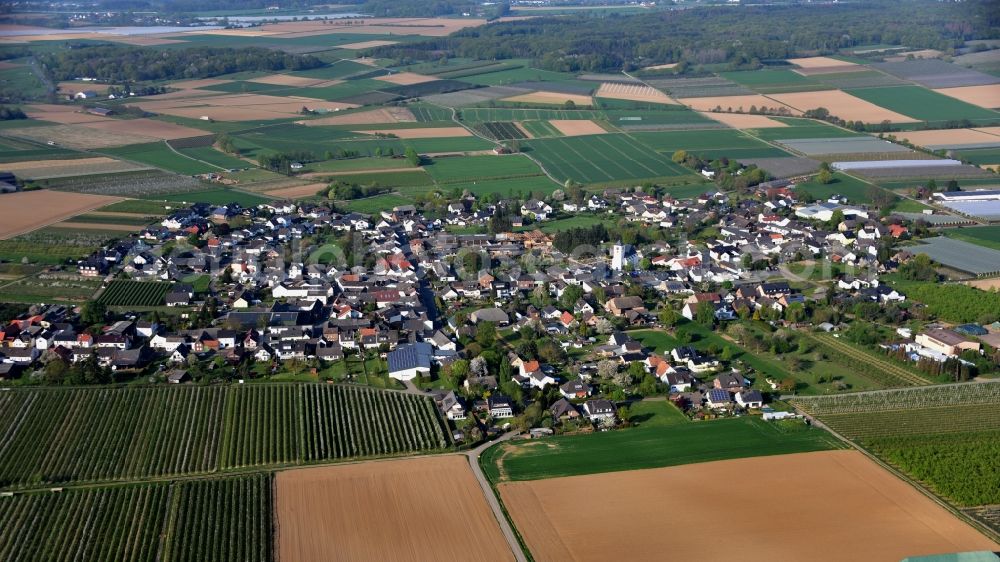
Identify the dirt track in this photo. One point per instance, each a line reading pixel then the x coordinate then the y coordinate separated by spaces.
pixel 401 510
pixel 824 506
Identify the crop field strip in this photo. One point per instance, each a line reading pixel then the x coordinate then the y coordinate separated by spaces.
pixel 601 158
pixel 134 293
pixel 205 520
pixel 122 433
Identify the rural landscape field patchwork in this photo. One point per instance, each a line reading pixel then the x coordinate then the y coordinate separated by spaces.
pixel 516 281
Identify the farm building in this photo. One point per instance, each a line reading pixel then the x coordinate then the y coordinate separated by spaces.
pixel 824 212
pixel 947 342
pixel 410 361
pixel 976 195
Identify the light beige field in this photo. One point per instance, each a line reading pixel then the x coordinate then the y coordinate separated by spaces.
pixel 366 45
pixel 819 62
pixel 983 96
pixel 76 136
pixel 222 113
pixel 922 54
pixel 667 66
pixel 553 98
pixel 42 169
pixel 63 114
pixel 842 105
pixel 143 40
pixel 744 121
pixel 416 510
pixel 288 80
pixel 73 87
pixel 576 128
pixel 371 117
pixel 735 103
pixel 422 133
pixel 955 137
pixel 30 210
pixel 296 192
pixel 632 92
pixel 147 128
pixel 990 130
pixel 824 506
pixel 194 84
pixel 406 78
pixel 97 226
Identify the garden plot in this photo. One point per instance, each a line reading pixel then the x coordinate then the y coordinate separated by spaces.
pixel 76 136
pixel 42 169
pixel 842 105
pixel 700 87
pixel 936 73
pixel 951 138
pixel 549 98
pixel 847 145
pixel 784 167
pixel 986 96
pixel 632 92
pixel 576 127
pixel 383 115
pixel 30 210
pixel 744 121
pixel 475 96
pixel 741 104
pixel 421 133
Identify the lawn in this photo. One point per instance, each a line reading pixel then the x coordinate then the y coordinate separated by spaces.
pixel 652 446
pixel 921 103
pixel 602 158
pixel 854 189
pixel 215 197
pixel 463 168
pixel 162 156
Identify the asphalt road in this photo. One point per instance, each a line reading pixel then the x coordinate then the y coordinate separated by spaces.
pixel 491 499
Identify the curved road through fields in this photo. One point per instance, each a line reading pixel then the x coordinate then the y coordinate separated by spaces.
pixel 491 498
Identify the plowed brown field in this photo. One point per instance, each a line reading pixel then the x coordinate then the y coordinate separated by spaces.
pixel 30 210
pixel 401 510
pixel 824 506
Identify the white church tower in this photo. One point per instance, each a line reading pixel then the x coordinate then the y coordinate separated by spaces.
pixel 617 256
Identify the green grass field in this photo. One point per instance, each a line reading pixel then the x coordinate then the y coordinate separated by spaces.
pixel 577 221
pixel 774 81
pixel 855 190
pixel 801 129
pixel 652 445
pixel 137 206
pixel 712 143
pixel 987 236
pixel 921 103
pixel 409 178
pixel 213 156
pixel 160 155
pixel 521 187
pixel 980 156
pixel 467 168
pixel 358 164
pixel 602 158
pixel 540 129
pixel 215 197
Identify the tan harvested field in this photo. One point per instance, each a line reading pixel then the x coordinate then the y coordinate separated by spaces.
pixel 194 84
pixel 423 133
pixel 842 105
pixel 288 80
pixel 667 66
pixel 241 32
pixel 296 192
pixel 62 114
pixel 985 284
pixel 735 103
pixel 552 98
pixel 576 128
pixel 148 128
pixel 30 210
pixel 73 87
pixel 42 169
pixel 632 92
pixel 366 45
pixel 371 117
pixel 943 137
pixel 983 96
pixel 76 136
pixel 990 130
pixel 823 506
pixel 922 54
pixel 143 40
pixel 406 78
pixel 417 509
pixel 819 62
pixel 222 113
pixel 744 120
